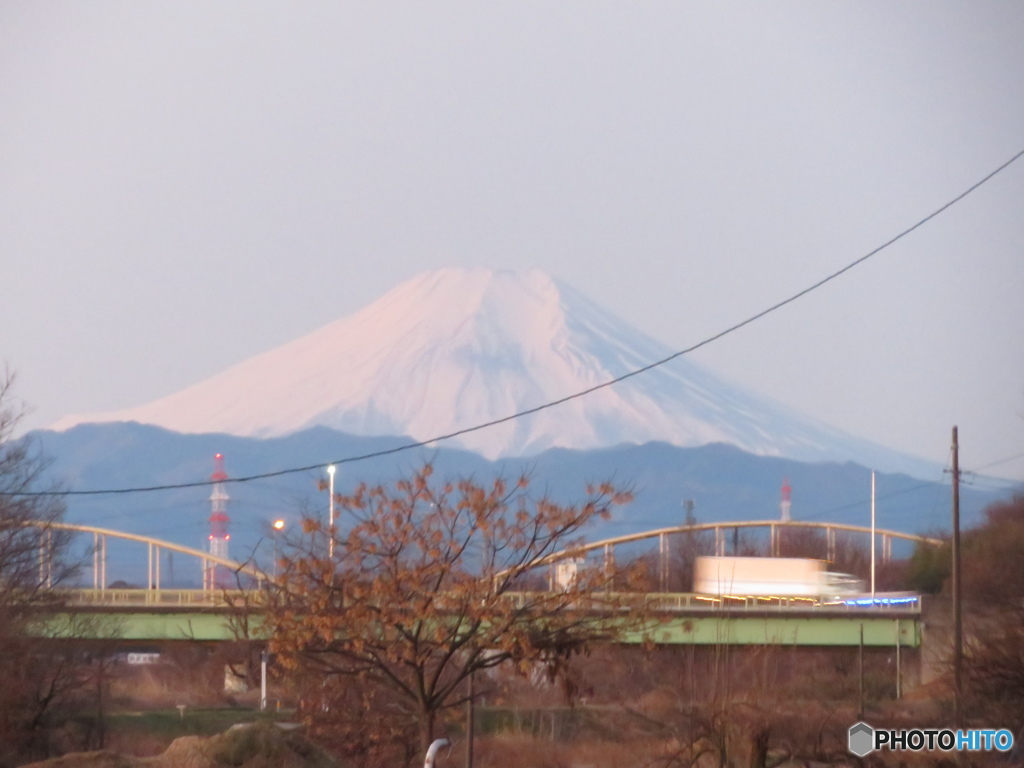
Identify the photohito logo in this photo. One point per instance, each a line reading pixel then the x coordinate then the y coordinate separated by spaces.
pixel 863 739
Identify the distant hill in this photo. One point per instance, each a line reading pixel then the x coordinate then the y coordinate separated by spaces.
pixel 725 483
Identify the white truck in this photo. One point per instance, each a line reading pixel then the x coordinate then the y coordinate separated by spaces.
pixel 771 577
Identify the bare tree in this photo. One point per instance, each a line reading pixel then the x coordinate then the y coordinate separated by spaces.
pixel 424 591
pixel 32 563
pixel 31 553
pixel 994 609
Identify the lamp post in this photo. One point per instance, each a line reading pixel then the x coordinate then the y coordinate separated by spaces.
pixel 330 513
pixel 278 527
pixel 264 658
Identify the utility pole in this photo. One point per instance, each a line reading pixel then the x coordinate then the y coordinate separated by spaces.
pixel 470 723
pixel 958 642
pixel 860 675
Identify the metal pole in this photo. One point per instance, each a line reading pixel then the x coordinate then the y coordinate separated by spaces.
pixel 899 671
pixel 958 649
pixel 872 536
pixel 49 558
pixel 432 751
pixel 263 680
pixel 157 552
pixel 103 562
pixel 330 514
pixel 149 565
pixel 662 562
pixel 95 560
pixel 860 667
pixel 470 724
pixel 609 566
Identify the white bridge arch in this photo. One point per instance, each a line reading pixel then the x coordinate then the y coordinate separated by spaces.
pixel 154 547
pixel 209 561
pixel 775 527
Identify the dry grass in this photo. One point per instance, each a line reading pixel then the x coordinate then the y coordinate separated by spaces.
pixel 261 745
pixel 516 751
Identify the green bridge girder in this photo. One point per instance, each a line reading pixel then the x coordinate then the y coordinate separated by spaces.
pixel 788 631
pixel 770 628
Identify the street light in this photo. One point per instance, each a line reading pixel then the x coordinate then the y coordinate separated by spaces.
pixel 264 658
pixel 278 527
pixel 330 514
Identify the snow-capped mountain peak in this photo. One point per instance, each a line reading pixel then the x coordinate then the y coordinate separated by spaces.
pixel 454 348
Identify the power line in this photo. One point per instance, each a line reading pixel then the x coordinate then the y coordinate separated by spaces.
pixel 866 501
pixel 934 484
pixel 576 395
pixel 998 462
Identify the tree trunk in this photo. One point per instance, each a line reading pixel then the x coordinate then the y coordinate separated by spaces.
pixel 426 729
pixel 759 747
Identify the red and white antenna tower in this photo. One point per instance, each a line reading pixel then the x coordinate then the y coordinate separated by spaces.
pixel 219 520
pixel 785 505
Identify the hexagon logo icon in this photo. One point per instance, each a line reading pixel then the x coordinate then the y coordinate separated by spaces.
pixel 862 739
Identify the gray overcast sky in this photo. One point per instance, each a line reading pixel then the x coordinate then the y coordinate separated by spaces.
pixel 184 185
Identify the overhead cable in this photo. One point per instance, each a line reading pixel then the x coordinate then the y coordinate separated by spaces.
pixel 562 400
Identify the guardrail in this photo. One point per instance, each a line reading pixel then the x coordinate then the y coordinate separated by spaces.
pixel 691 602
pixel 658 601
pixel 196 598
pixel 688 602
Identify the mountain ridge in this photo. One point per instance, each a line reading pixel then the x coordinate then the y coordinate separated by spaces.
pixel 725 482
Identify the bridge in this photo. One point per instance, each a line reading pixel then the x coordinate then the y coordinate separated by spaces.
pixel 775 529
pixel 157 614
pixel 154 547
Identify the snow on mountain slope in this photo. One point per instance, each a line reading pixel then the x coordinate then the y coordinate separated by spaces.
pixel 453 348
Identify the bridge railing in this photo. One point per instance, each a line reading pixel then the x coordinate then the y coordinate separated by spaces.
pixel 657 601
pixel 688 602
pixel 693 602
pixel 134 598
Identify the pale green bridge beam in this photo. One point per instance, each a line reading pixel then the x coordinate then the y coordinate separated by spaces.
pixel 162 615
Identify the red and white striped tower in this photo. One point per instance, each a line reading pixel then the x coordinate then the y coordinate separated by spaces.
pixel 785 505
pixel 219 520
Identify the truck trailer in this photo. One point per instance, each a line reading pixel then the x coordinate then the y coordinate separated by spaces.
pixel 771 577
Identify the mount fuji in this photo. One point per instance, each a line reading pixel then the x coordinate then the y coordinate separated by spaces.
pixel 455 348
